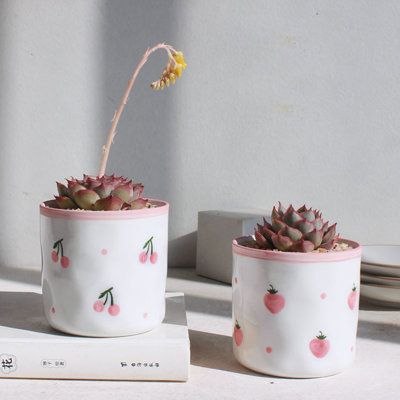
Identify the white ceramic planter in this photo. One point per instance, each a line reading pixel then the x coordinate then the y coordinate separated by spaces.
pixel 295 314
pixel 104 272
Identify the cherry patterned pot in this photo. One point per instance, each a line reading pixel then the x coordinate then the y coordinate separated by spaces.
pixel 295 314
pixel 104 272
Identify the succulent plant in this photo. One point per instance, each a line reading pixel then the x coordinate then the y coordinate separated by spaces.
pixel 291 230
pixel 106 193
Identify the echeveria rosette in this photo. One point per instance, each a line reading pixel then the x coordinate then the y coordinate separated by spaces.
pixel 106 193
pixel 291 230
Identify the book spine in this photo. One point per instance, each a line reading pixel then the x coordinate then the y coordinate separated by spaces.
pixel 98 361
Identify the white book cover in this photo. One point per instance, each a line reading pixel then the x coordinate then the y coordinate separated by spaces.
pixel 30 348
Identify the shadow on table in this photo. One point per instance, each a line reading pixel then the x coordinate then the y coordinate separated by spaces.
pixel 24 310
pixel 22 275
pixel 208 305
pixel 382 331
pixel 210 350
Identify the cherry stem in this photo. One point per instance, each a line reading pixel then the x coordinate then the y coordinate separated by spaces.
pixel 105 301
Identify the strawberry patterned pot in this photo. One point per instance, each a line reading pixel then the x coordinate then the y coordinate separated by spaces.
pixel 295 314
pixel 104 272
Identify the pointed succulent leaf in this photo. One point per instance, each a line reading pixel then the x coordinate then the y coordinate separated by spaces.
pixel 302 209
pixel 303 246
pixel 291 216
pixel 304 226
pixel 124 192
pixel 137 191
pixel 104 189
pixel 74 187
pixel 318 223
pixel 281 209
pixel 328 245
pixel 268 233
pixel 139 204
pixel 308 215
pixel 65 202
pixel 260 239
pixel 281 242
pixel 292 233
pixel 62 189
pixel 277 224
pixel 86 198
pixel 330 233
pixel 110 203
pixel 275 214
pixel 315 237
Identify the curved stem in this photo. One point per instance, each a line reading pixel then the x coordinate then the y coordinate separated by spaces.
pixel 124 100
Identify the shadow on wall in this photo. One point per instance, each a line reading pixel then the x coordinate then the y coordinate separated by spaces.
pixel 143 146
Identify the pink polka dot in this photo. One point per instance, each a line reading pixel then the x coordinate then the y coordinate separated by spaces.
pixel 268 349
pixel 323 295
pixel 145 315
pixel 104 252
pixel 53 310
pixel 352 348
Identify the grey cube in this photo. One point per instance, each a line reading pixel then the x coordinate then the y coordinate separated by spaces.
pixel 216 230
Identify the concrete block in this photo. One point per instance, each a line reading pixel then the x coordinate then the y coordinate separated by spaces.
pixel 216 230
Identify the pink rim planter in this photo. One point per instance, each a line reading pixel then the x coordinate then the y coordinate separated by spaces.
pixel 295 314
pixel 104 272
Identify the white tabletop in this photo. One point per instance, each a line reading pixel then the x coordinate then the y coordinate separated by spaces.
pixel 214 372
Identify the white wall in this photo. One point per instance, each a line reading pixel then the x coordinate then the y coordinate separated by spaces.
pixel 291 101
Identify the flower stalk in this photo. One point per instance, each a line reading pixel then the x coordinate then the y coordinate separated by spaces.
pixel 174 69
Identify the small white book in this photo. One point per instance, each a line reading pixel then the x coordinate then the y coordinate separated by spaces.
pixel 30 348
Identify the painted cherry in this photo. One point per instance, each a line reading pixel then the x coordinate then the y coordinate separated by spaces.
pixel 54 256
pixel 274 301
pixel 352 298
pixel 320 345
pixel 57 249
pixel 65 262
pixel 98 306
pixel 113 310
pixel 237 334
pixel 148 248
pixel 143 257
pixel 153 258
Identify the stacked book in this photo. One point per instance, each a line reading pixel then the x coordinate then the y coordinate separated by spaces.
pixel 30 348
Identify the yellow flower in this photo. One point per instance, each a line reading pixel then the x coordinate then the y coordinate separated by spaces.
pixel 177 70
pixel 171 72
pixel 178 57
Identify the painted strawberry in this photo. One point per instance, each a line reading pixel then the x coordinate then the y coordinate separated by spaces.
pixel 353 297
pixel 274 301
pixel 99 305
pixel 320 345
pixel 148 248
pixel 237 334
